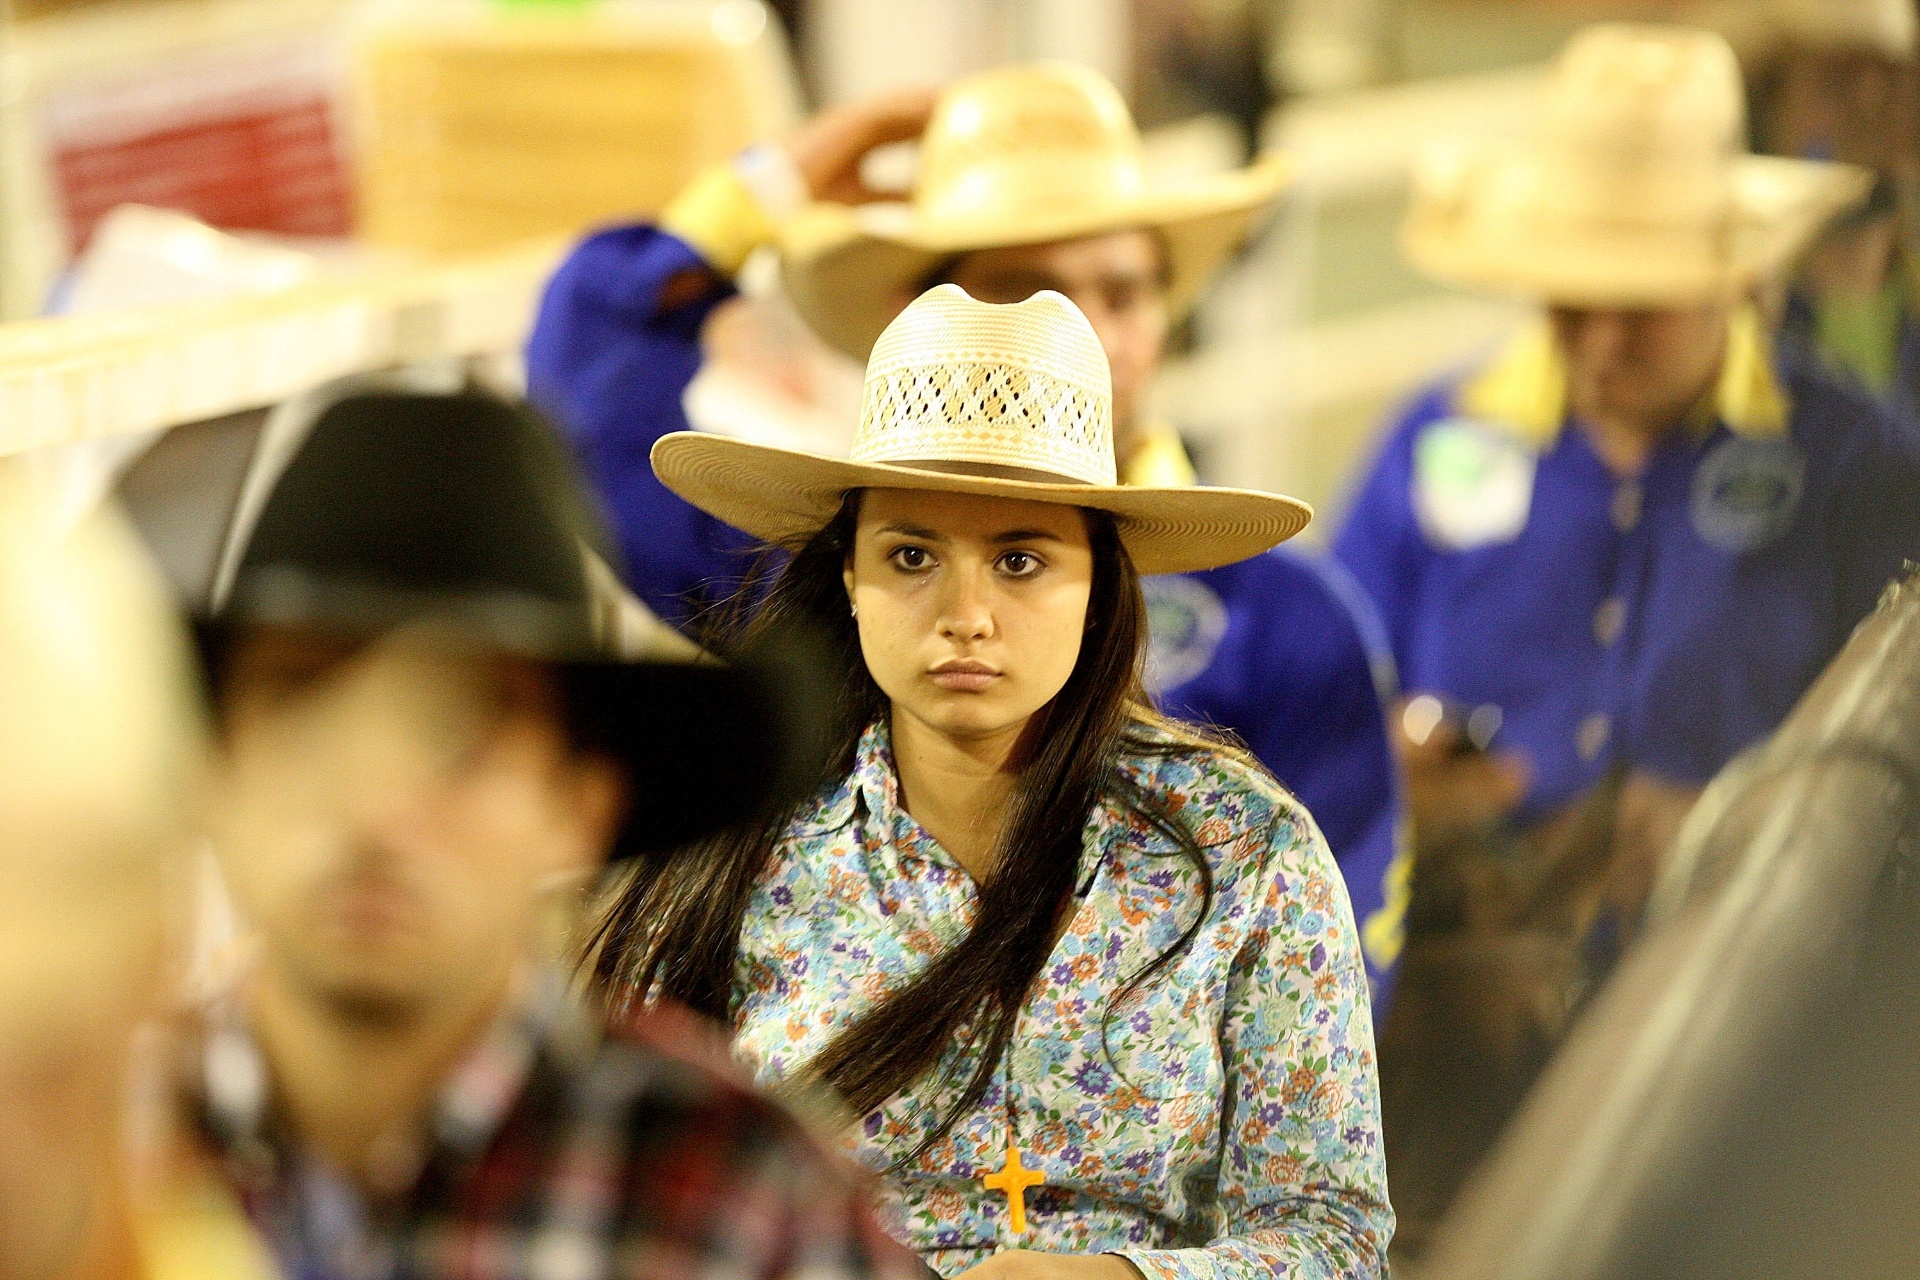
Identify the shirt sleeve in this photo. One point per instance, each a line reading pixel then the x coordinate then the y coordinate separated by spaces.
pixel 1302 1189
pixel 609 362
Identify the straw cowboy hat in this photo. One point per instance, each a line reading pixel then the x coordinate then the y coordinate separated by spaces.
pixel 1636 189
pixel 1008 401
pixel 1019 155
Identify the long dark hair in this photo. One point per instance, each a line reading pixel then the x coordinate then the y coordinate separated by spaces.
pixel 674 928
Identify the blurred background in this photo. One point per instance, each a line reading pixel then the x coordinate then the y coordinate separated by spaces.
pixel 368 142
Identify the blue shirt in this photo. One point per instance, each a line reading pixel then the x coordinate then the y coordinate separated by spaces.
pixel 610 366
pixel 1293 674
pixel 1663 622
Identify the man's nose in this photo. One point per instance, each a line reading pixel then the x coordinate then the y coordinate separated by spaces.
pixel 1602 335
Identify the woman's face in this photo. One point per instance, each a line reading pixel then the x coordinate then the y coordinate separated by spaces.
pixel 971 610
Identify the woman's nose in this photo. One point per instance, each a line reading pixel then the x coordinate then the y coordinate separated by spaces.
pixel 966 613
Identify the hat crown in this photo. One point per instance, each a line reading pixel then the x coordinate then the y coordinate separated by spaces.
pixel 1048 137
pixel 1643 124
pixel 1021 390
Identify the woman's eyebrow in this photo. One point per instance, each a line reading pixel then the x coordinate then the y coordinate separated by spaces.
pixel 1026 535
pixel 912 531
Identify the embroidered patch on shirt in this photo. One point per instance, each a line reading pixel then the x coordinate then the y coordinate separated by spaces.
pixel 1186 621
pixel 1746 491
pixel 1472 484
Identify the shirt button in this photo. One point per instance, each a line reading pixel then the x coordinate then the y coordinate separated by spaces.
pixel 1591 738
pixel 1608 619
pixel 1627 502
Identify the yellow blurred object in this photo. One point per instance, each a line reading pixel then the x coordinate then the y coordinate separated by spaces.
pixel 198 1231
pixel 483 125
pixel 720 218
pixel 101 743
pixel 1160 461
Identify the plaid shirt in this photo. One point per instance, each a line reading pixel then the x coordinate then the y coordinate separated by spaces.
pixel 559 1154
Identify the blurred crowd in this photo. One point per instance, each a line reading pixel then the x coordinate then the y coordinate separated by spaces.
pixel 509 833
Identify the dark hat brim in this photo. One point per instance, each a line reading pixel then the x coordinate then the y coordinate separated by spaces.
pixel 703 746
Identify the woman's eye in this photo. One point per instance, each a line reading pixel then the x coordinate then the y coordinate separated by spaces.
pixel 912 559
pixel 1020 564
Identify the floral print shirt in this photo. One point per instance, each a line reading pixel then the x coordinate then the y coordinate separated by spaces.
pixel 1235 1129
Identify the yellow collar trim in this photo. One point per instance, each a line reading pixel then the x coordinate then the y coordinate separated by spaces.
pixel 1524 388
pixel 198 1231
pixel 1160 462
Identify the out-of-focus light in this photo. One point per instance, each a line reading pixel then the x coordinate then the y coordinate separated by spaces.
pixel 1421 717
pixel 739 22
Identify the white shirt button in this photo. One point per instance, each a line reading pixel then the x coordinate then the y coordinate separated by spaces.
pixel 1628 500
pixel 1591 738
pixel 1608 620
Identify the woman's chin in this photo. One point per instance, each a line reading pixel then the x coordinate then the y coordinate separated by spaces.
pixel 963 716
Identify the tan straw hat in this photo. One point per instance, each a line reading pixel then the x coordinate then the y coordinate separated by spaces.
pixel 1008 401
pixel 1019 155
pixel 1637 189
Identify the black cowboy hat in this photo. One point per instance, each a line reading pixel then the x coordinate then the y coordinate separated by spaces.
pixel 401 508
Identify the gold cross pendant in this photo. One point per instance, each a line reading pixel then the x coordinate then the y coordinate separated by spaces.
pixel 1013 1181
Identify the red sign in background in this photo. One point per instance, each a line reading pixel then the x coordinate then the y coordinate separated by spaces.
pixel 249 146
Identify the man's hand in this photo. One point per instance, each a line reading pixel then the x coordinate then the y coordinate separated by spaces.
pixel 1453 792
pixel 1025 1264
pixel 828 149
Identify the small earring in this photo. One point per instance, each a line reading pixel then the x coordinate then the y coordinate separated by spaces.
pixel 853 610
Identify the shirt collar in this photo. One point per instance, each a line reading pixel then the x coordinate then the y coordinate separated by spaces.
pixel 1524 387
pixel 874 779
pixel 1160 461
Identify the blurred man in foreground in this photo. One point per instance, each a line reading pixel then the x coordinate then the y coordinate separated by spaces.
pixel 423 749
pixel 1615 555
pixel 100 767
pixel 1029 178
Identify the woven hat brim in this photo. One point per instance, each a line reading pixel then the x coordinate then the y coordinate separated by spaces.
pixel 1780 207
pixel 785 496
pixel 846 269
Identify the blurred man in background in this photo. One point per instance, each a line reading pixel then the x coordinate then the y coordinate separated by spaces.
pixel 1609 559
pixel 1840 82
pixel 100 767
pixel 1028 178
pixel 423 750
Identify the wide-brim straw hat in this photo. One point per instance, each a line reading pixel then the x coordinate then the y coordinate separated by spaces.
pixel 1636 189
pixel 1008 401
pixel 1019 155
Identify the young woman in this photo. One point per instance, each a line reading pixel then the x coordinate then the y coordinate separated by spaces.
pixel 1089 979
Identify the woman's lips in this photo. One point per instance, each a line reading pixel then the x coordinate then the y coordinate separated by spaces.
pixel 964 677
